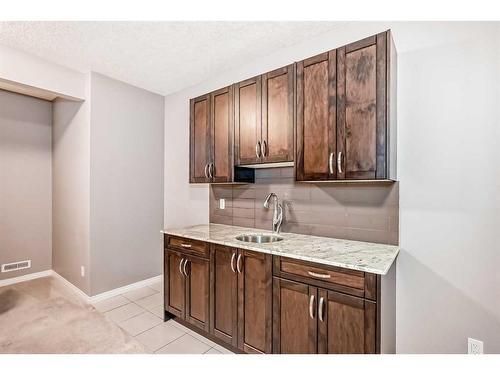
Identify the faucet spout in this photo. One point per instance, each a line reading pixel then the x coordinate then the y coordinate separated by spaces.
pixel 277 211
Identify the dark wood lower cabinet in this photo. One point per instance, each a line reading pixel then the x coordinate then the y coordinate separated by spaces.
pixel 187 283
pixel 241 313
pixel 197 291
pixel 294 319
pixel 238 299
pixel 309 320
pixel 254 301
pixel 346 324
pixel 224 294
pixel 174 280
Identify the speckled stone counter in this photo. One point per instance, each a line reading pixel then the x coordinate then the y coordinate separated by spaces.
pixel 362 256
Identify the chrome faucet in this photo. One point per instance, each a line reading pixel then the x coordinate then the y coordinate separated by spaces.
pixel 278 211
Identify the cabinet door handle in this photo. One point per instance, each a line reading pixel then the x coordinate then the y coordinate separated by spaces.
pixel 206 170
pixel 311 306
pixel 264 148
pixel 238 263
pixel 339 162
pixel 212 170
pixel 320 275
pixel 232 262
pixel 184 267
pixel 320 309
pixel 330 162
pixel 180 265
pixel 186 245
pixel 257 149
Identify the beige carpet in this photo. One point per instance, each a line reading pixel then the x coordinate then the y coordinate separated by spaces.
pixel 44 316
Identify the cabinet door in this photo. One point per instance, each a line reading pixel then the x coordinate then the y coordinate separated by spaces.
pixel 222 118
pixel 247 121
pixel 197 291
pixel 361 109
pixel 174 284
pixel 346 324
pixel 224 295
pixel 277 115
pixel 316 118
pixel 294 317
pixel 199 145
pixel 254 302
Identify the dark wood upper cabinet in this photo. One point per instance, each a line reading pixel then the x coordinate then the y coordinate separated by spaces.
pixel 222 127
pixel 199 139
pixel 211 137
pixel 346 324
pixel 294 318
pixel 264 110
pixel 345 121
pixel 334 114
pixel 224 294
pixel 247 121
pixel 316 118
pixel 277 115
pixel 361 116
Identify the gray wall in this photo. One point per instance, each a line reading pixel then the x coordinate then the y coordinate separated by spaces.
pixel 362 212
pixel 449 168
pixel 126 198
pixel 25 182
pixel 71 187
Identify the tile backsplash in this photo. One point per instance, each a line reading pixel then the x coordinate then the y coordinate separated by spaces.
pixel 354 211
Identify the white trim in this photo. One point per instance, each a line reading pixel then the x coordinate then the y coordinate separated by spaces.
pixel 20 279
pixel 78 291
pixel 126 288
pixel 71 286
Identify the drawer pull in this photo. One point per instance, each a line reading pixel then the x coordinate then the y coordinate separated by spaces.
pixel 320 275
pixel 311 306
pixel 186 245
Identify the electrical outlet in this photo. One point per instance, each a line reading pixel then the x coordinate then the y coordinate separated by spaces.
pixel 222 203
pixel 474 346
pixel 82 271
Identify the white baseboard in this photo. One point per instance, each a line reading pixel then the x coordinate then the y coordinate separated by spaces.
pixel 78 291
pixel 126 288
pixel 30 276
pixel 71 286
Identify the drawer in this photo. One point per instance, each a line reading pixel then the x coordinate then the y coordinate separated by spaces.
pixel 353 279
pixel 348 281
pixel 187 245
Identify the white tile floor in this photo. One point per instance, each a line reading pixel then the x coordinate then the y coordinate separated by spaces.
pixel 140 314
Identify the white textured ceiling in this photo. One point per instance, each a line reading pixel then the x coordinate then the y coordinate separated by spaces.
pixel 159 56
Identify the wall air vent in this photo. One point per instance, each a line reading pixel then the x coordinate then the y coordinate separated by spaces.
pixel 16 266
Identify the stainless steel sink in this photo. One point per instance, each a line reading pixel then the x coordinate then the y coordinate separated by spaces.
pixel 259 238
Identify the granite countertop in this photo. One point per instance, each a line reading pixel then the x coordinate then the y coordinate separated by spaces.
pixel 363 256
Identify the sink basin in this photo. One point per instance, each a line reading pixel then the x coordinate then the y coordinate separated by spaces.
pixel 259 238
